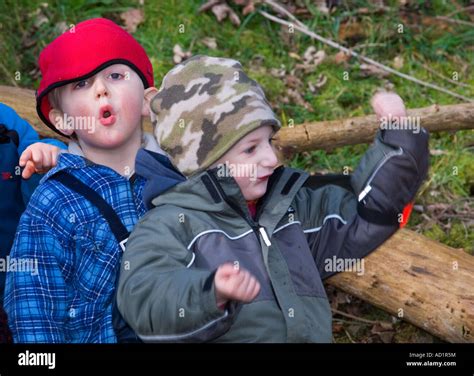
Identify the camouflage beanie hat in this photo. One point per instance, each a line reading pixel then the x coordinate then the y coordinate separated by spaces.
pixel 205 105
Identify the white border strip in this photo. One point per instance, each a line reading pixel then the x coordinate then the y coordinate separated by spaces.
pixel 288 224
pixel 316 229
pixel 216 230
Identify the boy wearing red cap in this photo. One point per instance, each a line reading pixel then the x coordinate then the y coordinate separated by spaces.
pixel 96 85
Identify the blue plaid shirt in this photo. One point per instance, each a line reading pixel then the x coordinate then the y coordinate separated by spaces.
pixel 67 296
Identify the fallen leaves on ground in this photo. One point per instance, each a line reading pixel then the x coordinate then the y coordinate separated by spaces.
pixel 367 70
pixel 179 55
pixel 132 18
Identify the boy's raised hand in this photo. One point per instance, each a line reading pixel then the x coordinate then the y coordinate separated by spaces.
pixel 234 283
pixel 387 104
pixel 38 157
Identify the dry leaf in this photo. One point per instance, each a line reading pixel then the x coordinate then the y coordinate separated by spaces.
pixel 61 27
pixel 221 11
pixel 342 297
pixel 205 7
pixel 337 327
pixel 292 81
pixel 354 329
pixel 298 99
pixel 249 8
pixel 132 18
pixel 39 16
pixel 309 54
pixel 341 57
pixel 234 18
pixel 437 152
pixel 319 57
pixel 294 55
pixel 352 32
pixel 313 88
pixel 40 20
pixel 398 62
pixel 355 310
pixel 322 6
pixel 312 59
pixel 381 327
pixel 278 72
pixel 209 43
pixel 248 5
pixel 367 70
pixel 179 55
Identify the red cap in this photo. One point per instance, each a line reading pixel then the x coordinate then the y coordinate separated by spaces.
pixel 83 51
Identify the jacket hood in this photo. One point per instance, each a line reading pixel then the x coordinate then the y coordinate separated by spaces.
pixel 159 173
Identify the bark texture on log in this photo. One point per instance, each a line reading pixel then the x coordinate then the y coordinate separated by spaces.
pixel 327 135
pixel 429 284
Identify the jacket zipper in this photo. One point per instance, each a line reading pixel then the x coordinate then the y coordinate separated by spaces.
pixel 257 229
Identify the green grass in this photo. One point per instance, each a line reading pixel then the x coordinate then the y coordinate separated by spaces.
pixel 445 51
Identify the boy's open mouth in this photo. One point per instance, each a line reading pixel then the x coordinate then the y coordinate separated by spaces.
pixel 264 178
pixel 107 116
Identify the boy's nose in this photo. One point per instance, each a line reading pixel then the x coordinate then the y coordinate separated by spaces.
pixel 270 159
pixel 100 89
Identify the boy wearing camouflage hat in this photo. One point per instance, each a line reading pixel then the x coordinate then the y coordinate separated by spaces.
pixel 237 253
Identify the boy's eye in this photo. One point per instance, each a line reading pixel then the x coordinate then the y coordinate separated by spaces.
pixel 249 150
pixel 116 76
pixel 80 84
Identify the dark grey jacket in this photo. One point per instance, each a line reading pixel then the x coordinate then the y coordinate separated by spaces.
pixel 303 226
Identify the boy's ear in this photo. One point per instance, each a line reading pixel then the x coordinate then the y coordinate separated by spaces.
pixel 149 94
pixel 56 117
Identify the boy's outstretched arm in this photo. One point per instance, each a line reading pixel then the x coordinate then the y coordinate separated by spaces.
pixel 37 155
pixel 342 223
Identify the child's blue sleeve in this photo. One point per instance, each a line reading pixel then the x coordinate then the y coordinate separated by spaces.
pixel 26 134
pixel 26 137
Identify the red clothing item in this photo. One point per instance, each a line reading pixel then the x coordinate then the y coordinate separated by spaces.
pixel 252 205
pixel 83 51
pixel 406 214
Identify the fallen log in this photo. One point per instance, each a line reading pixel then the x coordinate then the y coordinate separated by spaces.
pixel 324 135
pixel 421 281
pixel 327 135
pixel 410 276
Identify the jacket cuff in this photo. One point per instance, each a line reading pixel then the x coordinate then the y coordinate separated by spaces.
pixel 209 297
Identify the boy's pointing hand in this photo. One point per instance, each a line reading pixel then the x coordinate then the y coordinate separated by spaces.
pixel 39 157
pixel 234 283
